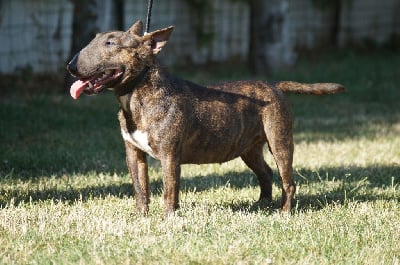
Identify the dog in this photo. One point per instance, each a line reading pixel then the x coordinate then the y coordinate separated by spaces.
pixel 180 122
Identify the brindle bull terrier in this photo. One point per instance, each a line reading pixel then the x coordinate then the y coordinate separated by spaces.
pixel 179 122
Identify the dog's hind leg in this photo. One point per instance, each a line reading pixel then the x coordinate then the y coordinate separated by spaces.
pixel 254 159
pixel 138 169
pixel 280 141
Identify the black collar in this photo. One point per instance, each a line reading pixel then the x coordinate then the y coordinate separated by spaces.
pixel 128 88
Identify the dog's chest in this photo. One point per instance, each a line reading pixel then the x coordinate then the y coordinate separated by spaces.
pixel 139 139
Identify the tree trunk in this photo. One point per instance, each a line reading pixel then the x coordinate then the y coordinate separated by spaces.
pixel 270 43
pixel 334 30
pixel 84 28
pixel 119 14
pixel 257 58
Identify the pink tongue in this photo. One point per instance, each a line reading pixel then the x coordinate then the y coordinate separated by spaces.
pixel 77 88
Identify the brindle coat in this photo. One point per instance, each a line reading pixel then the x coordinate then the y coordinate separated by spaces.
pixel 179 122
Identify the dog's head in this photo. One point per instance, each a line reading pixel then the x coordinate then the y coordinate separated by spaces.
pixel 114 58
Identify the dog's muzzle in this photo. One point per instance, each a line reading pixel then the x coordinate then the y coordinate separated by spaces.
pixel 72 65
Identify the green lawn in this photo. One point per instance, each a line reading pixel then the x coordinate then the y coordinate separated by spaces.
pixel 66 197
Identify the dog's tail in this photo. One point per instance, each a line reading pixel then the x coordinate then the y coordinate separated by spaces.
pixel 311 89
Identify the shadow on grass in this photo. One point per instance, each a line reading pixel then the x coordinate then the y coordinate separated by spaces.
pixel 328 186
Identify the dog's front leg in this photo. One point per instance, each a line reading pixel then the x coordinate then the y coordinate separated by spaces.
pixel 138 169
pixel 171 170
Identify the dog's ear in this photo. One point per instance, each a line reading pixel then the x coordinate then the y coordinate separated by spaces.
pixel 136 29
pixel 158 39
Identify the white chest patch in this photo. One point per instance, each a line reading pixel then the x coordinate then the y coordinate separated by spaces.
pixel 140 140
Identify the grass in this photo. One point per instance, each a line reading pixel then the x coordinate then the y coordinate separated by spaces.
pixel 66 197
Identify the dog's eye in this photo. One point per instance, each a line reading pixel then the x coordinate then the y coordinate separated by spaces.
pixel 110 43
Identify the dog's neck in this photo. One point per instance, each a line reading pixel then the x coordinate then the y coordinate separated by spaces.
pixel 148 77
pixel 133 83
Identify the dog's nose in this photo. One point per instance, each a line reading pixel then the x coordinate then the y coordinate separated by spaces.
pixel 72 65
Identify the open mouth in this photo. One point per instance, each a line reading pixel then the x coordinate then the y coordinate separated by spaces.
pixel 96 83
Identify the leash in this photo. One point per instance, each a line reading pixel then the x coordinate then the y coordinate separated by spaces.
pixel 149 7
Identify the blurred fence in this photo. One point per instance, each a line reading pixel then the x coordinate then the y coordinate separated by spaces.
pixel 37 34
pixel 34 34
